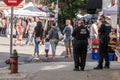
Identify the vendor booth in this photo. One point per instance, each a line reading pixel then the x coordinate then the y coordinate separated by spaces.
pixel 111 11
pixel 114 45
pixel 29 10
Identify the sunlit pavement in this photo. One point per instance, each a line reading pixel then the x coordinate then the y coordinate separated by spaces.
pixel 61 71
pixel 57 69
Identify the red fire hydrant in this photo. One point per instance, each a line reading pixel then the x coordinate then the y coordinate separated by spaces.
pixel 13 61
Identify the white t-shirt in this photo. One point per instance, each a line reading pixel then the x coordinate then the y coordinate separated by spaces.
pixel 47 45
pixel 92 33
pixel 31 25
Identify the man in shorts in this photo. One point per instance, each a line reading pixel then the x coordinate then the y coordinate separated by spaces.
pixel 68 35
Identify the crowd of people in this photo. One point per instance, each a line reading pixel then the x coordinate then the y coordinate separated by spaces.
pixel 75 34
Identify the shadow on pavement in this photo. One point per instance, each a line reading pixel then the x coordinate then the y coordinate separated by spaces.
pixel 5 44
pixel 23 58
pixel 60 58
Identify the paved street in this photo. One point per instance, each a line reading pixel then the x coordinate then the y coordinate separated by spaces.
pixel 61 71
pixel 25 52
pixel 5 52
pixel 80 18
pixel 58 69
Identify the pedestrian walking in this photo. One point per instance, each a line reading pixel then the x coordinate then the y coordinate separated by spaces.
pixel 36 34
pixel 47 47
pixel 54 38
pixel 0 26
pixel 30 28
pixel 4 26
pixel 19 32
pixel 80 43
pixel 104 38
pixel 94 29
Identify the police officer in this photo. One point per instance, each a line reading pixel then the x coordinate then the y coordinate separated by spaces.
pixel 104 38
pixel 80 43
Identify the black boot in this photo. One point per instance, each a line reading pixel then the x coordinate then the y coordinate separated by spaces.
pixel 76 69
pixel 98 67
pixel 82 68
pixel 107 66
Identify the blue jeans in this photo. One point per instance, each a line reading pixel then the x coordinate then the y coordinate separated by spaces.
pixel 36 47
pixel 3 31
pixel 29 37
pixel 53 43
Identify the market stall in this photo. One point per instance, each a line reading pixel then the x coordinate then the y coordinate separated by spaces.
pixel 114 39
pixel 29 10
pixel 95 47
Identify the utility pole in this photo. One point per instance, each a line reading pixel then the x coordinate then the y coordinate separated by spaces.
pixel 56 13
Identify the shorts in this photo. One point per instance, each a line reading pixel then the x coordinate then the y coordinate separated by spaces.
pixel 67 42
pixel 14 36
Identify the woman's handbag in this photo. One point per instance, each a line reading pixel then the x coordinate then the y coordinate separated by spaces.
pixel 38 39
pixel 60 35
pixel 19 37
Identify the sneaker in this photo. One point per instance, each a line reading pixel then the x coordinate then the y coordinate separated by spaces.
pixel 47 58
pixel 52 57
pixel 66 56
pixel 98 68
pixel 82 69
pixel 36 58
pixel 76 69
pixel 106 67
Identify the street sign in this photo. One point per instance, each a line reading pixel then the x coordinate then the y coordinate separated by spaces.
pixel 12 2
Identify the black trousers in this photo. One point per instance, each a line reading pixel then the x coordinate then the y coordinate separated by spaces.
pixel 79 53
pixel 46 51
pixel 103 53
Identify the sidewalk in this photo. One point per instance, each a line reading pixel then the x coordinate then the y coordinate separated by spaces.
pixel 61 71
pixel 58 69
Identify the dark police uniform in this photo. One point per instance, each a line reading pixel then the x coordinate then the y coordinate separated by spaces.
pixel 80 43
pixel 104 38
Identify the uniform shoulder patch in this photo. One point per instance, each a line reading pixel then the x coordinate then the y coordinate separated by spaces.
pixel 83 31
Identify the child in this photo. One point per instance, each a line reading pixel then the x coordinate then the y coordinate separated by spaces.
pixel 47 46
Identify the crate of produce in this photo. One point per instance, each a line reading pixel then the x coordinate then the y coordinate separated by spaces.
pixel 111 56
pixel 95 56
pixel 95 50
pixel 95 41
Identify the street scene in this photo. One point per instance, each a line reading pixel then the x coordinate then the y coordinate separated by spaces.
pixel 56 69
pixel 59 40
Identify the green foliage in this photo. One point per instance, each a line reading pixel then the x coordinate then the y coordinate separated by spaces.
pixel 68 8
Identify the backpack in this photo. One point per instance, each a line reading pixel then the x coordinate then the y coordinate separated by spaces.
pixel 60 35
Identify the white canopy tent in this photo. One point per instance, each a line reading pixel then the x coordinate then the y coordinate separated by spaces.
pixel 29 10
pixel 79 16
pixel 111 11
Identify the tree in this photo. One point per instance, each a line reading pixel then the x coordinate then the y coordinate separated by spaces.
pixel 68 8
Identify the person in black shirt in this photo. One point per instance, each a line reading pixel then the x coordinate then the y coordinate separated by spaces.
pixel 80 43
pixel 104 38
pixel 37 37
